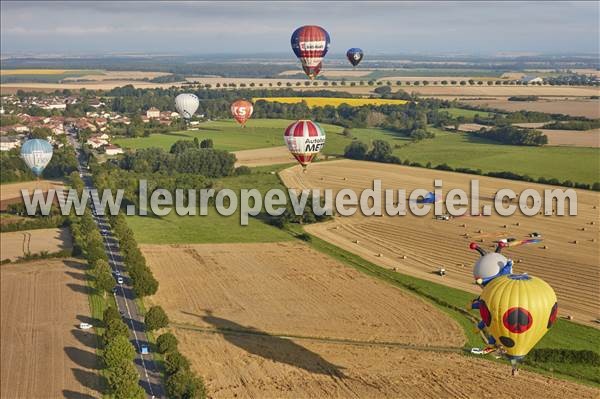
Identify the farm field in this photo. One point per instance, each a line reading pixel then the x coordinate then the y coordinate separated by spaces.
pixel 587 138
pixel 213 228
pixel 463 150
pixel 494 91
pixel 11 193
pixel 429 244
pixel 264 156
pixel 586 108
pixel 257 323
pixel 258 134
pixel 44 354
pixel 18 244
pixel 332 101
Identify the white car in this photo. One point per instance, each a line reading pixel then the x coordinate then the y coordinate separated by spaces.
pixel 120 280
pixel 85 326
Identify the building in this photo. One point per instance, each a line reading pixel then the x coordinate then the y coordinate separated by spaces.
pixel 57 105
pixel 7 143
pixel 153 113
pixel 113 149
pixel 96 142
pixel 531 80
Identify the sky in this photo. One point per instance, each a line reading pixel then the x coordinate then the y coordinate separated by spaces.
pixel 196 28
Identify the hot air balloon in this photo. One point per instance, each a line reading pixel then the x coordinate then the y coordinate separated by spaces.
pixel 310 44
pixel 517 311
pixel 242 111
pixel 355 56
pixel 186 104
pixel 37 154
pixel 304 139
pixel 490 265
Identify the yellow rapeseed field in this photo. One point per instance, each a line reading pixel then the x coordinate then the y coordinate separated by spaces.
pixel 334 101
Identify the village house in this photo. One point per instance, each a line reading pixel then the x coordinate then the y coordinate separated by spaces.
pixel 7 143
pixel 153 113
pixel 113 149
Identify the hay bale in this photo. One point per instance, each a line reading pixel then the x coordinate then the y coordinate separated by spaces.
pixel 574 241
pixel 520 261
pixel 505 226
pixel 404 256
pixel 356 242
pixel 344 179
pixel 379 255
pixel 479 231
pixel 517 224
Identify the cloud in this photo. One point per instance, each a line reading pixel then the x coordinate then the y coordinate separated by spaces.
pixel 392 27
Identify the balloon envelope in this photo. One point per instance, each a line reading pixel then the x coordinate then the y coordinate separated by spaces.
pixel 242 111
pixel 518 310
pixel 37 154
pixel 310 44
pixel 304 139
pixel 186 104
pixel 355 56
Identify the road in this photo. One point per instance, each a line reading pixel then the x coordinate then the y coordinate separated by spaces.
pixel 150 376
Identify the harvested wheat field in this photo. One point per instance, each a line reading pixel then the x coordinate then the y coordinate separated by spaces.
pixel 18 244
pixel 485 90
pixel 250 366
pixel 281 321
pixel 11 193
pixel 44 354
pixel 290 289
pixel 573 138
pixel 586 108
pixel 567 259
pixel 263 157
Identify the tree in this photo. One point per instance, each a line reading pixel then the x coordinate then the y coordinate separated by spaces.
pixel 347 132
pixel 185 385
pixel 382 90
pixel 166 342
pixel 182 145
pixel 356 150
pixel 123 381
pixel 104 278
pixel 115 328
pixel 207 143
pixel 110 313
pixel 156 318
pixel 174 362
pixel 380 152
pixel 117 351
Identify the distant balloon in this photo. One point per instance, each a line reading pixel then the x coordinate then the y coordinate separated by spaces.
pixel 37 154
pixel 310 44
pixel 355 56
pixel 242 111
pixel 304 139
pixel 517 311
pixel 186 104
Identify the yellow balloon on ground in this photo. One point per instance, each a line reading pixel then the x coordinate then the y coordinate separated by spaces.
pixel 518 310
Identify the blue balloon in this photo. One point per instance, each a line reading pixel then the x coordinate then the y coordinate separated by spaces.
pixel 37 154
pixel 355 56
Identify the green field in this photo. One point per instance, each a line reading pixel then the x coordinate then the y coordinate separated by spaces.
pixel 213 228
pixel 43 75
pixel 463 150
pixel 467 113
pixel 455 149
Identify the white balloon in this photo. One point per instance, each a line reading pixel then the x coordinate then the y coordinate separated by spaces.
pixel 186 104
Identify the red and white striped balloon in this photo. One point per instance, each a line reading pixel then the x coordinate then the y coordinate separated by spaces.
pixel 304 139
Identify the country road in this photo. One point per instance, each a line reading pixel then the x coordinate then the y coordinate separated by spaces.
pixel 150 376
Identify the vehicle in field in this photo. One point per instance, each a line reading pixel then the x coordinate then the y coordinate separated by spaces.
pixel 442 271
pixel 442 217
pixel 477 351
pixel 85 326
pixel 535 234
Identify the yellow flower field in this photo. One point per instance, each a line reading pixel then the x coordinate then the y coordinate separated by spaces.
pixel 323 101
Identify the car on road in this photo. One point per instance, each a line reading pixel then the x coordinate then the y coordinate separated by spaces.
pixel 120 280
pixel 85 326
pixel 144 350
pixel 117 273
